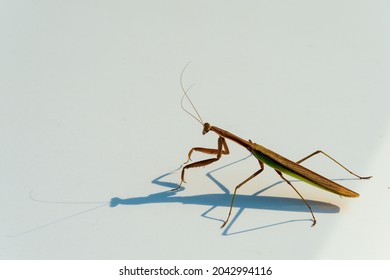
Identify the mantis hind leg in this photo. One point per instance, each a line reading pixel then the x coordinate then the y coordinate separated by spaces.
pixel 240 185
pixel 307 204
pixel 325 154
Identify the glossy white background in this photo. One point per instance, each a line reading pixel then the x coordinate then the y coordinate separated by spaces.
pixel 92 130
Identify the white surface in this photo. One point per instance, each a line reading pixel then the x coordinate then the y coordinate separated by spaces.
pixel 90 123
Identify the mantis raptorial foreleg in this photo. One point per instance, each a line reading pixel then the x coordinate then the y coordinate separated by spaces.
pixel 240 185
pixel 325 154
pixel 307 204
pixel 221 150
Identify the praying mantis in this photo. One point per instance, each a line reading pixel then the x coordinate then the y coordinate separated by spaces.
pixel 263 155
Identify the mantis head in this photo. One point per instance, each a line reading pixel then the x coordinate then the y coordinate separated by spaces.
pixel 206 128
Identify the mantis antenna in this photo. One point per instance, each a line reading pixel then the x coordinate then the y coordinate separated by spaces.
pixel 188 98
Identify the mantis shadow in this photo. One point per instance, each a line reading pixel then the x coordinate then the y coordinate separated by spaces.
pixel 223 199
